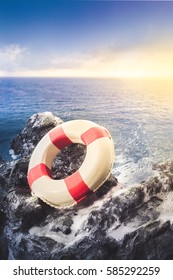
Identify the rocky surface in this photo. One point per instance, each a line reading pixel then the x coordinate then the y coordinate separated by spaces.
pixel 116 222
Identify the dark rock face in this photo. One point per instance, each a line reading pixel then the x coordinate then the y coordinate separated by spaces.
pixel 113 223
pixel 36 127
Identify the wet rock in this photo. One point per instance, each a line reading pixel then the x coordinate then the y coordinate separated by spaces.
pixel 1 160
pixel 36 127
pixel 4 252
pixel 115 222
pixel 28 248
pixel 3 240
pixel 68 161
pixel 17 175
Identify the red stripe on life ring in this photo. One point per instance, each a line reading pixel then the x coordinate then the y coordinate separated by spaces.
pixel 77 187
pixel 93 134
pixel 59 138
pixel 38 171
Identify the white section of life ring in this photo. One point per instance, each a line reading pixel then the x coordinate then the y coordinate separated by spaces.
pixel 93 172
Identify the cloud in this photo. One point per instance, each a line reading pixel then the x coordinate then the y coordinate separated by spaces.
pixel 11 57
pixel 71 60
pixel 11 52
pixel 80 61
pixel 138 61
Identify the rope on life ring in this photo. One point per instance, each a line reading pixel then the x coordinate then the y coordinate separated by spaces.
pixel 93 172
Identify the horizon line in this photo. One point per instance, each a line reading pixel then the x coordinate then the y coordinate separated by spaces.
pixel 93 77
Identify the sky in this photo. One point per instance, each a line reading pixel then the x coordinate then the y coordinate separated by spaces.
pixel 86 38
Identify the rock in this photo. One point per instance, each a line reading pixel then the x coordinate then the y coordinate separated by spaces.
pixel 3 240
pixel 4 252
pixel 115 222
pixel 36 127
pixel 68 161
pixel 1 161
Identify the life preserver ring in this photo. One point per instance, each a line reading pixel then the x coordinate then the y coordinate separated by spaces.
pixel 93 172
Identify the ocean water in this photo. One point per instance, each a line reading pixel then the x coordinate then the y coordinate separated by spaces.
pixel 138 114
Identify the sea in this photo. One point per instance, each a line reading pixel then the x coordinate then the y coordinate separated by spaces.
pixel 137 112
